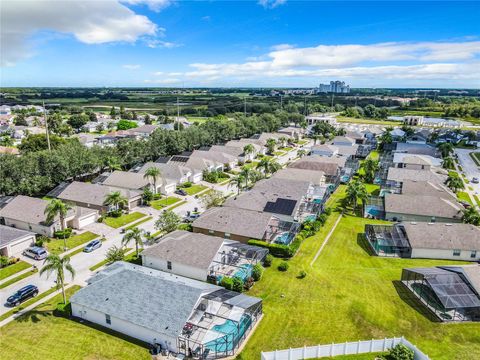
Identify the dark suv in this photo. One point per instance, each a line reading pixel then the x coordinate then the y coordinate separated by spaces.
pixel 23 294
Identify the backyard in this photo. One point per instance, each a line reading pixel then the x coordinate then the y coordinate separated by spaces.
pixel 122 220
pixel 349 295
pixel 60 338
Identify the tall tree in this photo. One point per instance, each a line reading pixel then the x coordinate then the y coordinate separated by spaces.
pixel 167 221
pixel 269 166
pixel 356 190
pixel 454 183
pixel 153 173
pixel 116 199
pixel 248 149
pixel 271 145
pixel 246 174
pixel 236 180
pixel 446 149
pixel 54 264
pixel 471 216
pixel 136 235
pixel 370 167
pixel 448 163
pixel 58 207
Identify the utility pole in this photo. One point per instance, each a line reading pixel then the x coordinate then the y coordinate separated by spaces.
pixel 46 125
pixel 245 106
pixel 178 116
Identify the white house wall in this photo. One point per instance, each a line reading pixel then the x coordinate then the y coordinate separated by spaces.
pixel 177 269
pixel 17 247
pixel 39 229
pixel 125 327
pixel 444 254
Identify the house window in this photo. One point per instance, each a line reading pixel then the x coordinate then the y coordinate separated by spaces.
pixel 456 252
pixel 169 265
pixel 473 254
pixel 107 319
pixel 433 219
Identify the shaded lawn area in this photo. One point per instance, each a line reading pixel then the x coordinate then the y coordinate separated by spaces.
pixel 122 220
pixel 41 335
pixel 55 246
pixel 196 188
pixel 463 196
pixel 13 269
pixel 349 295
pixel 164 202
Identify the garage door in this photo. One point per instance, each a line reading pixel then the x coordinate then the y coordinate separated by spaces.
pixel 87 220
pixel 17 249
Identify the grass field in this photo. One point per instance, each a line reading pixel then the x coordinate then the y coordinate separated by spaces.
pixel 349 295
pixel 41 335
pixel 122 220
pixel 13 269
pixel 374 155
pixel 164 202
pixel 55 246
pixel 194 189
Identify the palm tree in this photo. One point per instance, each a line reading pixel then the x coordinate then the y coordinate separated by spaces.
pixel 246 174
pixel 134 234
pixel 282 141
pixel 269 166
pixel 248 149
pixel 471 216
pixel 370 167
pixel 446 149
pixel 386 138
pixel 301 152
pixel 153 173
pixel 271 144
pixel 54 208
pixel 56 264
pixel 116 199
pixel 340 132
pixel 448 163
pixel 356 190
pixel 112 164
pixel 237 181
pixel 454 183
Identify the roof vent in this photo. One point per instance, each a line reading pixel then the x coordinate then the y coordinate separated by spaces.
pixel 413 223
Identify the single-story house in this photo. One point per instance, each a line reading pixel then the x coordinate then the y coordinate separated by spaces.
pixel 197 164
pixel 174 173
pixel 227 160
pixel 242 225
pixel 415 162
pixel 426 240
pixel 404 207
pixel 93 196
pixel 397 134
pixel 143 131
pixel 425 188
pixel 399 175
pixel 137 181
pixel 234 151
pixel 343 141
pixel 28 213
pixel 315 177
pixel 13 241
pixel 449 292
pixel 330 166
pixel 359 137
pixel 258 149
pixel 198 256
pixel 420 149
pixel 293 132
pixel 181 315
pixel 324 150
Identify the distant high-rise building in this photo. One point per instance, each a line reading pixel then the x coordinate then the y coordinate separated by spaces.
pixel 334 87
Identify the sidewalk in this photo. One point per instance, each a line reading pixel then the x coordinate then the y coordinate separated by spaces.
pixel 16 275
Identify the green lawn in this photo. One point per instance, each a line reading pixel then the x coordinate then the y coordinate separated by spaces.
pixel 279 153
pixel 286 148
pixel 370 356
pixel 122 220
pixel 374 155
pixel 27 303
pixel 18 278
pixel 343 119
pixel 13 269
pixel 41 335
pixel 475 157
pixel 104 262
pixel 463 196
pixel 55 246
pixel 195 189
pixel 164 202
pixel 349 295
pixel 145 219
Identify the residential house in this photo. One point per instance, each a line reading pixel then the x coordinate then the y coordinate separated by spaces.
pixel 228 161
pixel 396 176
pixel 312 176
pixel 143 131
pixel 258 149
pixel 296 133
pixel 174 173
pixel 175 313
pixel 415 162
pixel 419 149
pixel 324 150
pixel 28 213
pixel 198 256
pixel 138 181
pixel 14 241
pixel 330 166
pixel 93 196
pixel 318 118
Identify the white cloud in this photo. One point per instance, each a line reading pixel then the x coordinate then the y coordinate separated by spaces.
pixel 271 4
pixel 158 73
pixel 131 66
pixel 154 5
pixel 89 21
pixel 155 43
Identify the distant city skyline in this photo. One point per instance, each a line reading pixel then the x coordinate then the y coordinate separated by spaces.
pixel 266 43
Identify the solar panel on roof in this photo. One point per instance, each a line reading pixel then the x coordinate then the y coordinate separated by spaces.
pixel 281 206
pixel 178 158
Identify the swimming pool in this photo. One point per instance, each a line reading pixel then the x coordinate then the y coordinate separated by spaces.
pixel 233 331
pixel 283 238
pixel 244 272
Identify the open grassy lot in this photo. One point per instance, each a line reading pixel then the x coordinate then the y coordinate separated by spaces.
pixel 145 219
pixel 194 189
pixel 122 220
pixel 343 119
pixel 40 335
pixel 13 269
pixel 349 295
pixel 55 246
pixel 164 202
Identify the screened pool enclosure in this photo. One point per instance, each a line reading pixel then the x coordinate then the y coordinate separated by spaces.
pixel 388 240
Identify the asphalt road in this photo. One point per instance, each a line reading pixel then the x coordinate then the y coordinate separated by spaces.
pixel 470 169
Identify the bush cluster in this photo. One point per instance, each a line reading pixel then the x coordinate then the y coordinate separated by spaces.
pixel 61 234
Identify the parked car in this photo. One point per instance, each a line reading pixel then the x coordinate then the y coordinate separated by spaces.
pixel 475 180
pixel 191 217
pixel 181 192
pixel 21 295
pixel 36 252
pixel 92 245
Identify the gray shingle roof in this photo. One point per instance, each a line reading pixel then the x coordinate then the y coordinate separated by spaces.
pixel 219 157
pixel 315 177
pixel 184 247
pixel 127 180
pixel 422 205
pixel 443 236
pixel 427 188
pixel 402 174
pixel 329 165
pixel 146 297
pixel 421 149
pixel 9 234
pixel 252 224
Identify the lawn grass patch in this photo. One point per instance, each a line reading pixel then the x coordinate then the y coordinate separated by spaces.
pixel 349 295
pixel 163 202
pixel 463 196
pixel 55 246
pixel 138 223
pixel 13 269
pixel 39 334
pixel 477 200
pixel 475 157
pixel 343 119
pixel 122 220
pixel 18 278
pixel 288 148
pixel 374 155
pixel 279 153
pixel 195 189
pixel 178 204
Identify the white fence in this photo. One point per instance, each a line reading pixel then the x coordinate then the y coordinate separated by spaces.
pixel 348 348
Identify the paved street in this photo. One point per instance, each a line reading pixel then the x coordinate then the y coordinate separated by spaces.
pixel 469 167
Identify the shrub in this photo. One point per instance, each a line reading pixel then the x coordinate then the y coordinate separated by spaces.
pixel 268 261
pixel 64 310
pixel 249 283
pixel 186 227
pixel 147 196
pixel 302 274
pixel 400 352
pixel 187 184
pixel 100 219
pixel 3 261
pixel 283 266
pixel 227 283
pixel 277 250
pixel 60 234
pixel 257 272
pixel 327 211
pixel 115 213
pixel 237 284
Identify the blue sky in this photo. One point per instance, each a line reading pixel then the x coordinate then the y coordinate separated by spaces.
pixel 240 43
